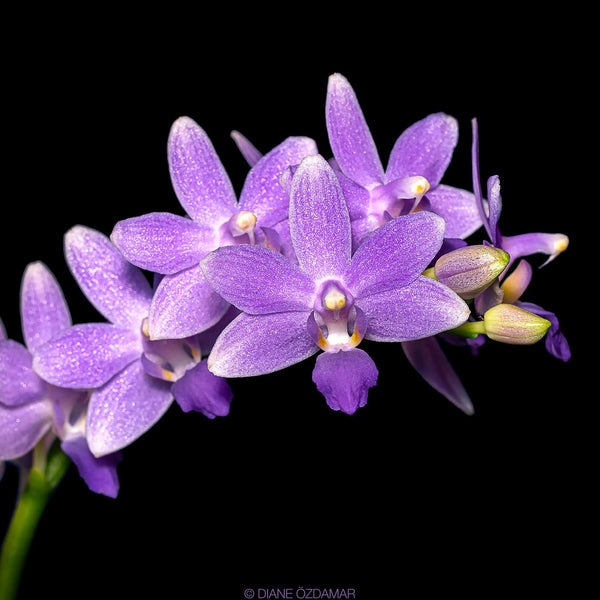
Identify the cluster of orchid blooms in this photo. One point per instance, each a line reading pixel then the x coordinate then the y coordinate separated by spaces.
pixel 314 256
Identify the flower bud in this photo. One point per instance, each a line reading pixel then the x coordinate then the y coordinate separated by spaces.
pixel 468 271
pixel 510 324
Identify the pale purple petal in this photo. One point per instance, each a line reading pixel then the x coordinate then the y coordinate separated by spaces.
pixel 201 391
pixel 259 344
pixel 396 254
pixel 349 135
pixel 184 304
pixel 262 193
pixel 163 242
pixel 477 178
pixel 99 474
pixel 117 289
pixel 555 341
pixel 44 311
pixel 22 427
pixel 125 408
pixel 199 179
pixel 421 309
pixel 525 244
pixel 458 208
pixel 430 361
pixel 258 280
pixel 19 384
pixel 87 355
pixel 319 221
pixel 494 209
pixel 344 378
pixel 247 148
pixel 357 197
pixel 425 149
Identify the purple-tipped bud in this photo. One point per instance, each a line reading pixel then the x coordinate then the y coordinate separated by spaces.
pixel 510 324
pixel 470 270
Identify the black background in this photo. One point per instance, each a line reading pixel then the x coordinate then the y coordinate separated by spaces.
pixel 408 493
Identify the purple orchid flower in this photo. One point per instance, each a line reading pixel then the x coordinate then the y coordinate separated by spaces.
pixel 410 182
pixel 133 379
pixel 516 282
pixel 331 299
pixel 33 410
pixel 184 303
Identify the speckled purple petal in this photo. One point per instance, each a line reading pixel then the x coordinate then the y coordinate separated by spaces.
pixel 430 361
pixel 258 344
pixel 425 149
pixel 22 427
pixel 349 135
pixel 344 378
pixel 262 193
pixel 246 147
pixel 199 179
pixel 458 208
pixel 125 408
pixel 396 254
pixel 99 474
pixel 258 280
pixel 163 242
pixel 199 390
pixel 87 355
pixel 19 384
pixel 422 308
pixel 118 290
pixel 44 311
pixel 184 304
pixel 319 221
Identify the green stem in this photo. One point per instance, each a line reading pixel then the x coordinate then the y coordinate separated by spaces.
pixel 44 476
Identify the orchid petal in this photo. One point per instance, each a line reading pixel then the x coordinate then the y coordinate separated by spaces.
pixel 494 209
pixel 117 289
pixel 44 311
pixel 201 391
pixel 395 254
pixel 319 221
pixel 356 196
pixel 87 355
pixel 19 384
pixel 555 341
pixel 2 331
pixel 199 179
pixel 125 408
pixel 259 344
pixel 262 193
pixel 525 244
pixel 344 378
pixel 423 308
pixel 258 280
pixel 163 242
pixel 248 150
pixel 515 284
pixel 430 361
pixel 22 427
pixel 99 474
pixel 349 135
pixel 425 149
pixel 183 305
pixel 458 208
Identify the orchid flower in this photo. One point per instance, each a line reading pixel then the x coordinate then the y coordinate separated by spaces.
pixel 133 379
pixel 34 411
pixel 410 182
pixel 184 303
pixel 331 299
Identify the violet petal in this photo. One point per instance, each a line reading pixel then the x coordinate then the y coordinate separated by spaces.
pixel 344 378
pixel 319 221
pixel 422 308
pixel 122 410
pixel 163 242
pixel 259 344
pixel 44 311
pixel 396 254
pixel 22 427
pixel 458 208
pixel 86 355
pixel 116 288
pixel 258 280
pixel 19 383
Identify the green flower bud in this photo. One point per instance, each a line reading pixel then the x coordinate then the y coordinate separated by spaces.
pixel 470 270
pixel 510 324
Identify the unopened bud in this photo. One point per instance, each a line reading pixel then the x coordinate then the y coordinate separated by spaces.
pixel 470 270
pixel 510 324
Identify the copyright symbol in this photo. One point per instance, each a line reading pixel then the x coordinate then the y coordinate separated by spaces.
pixel 248 593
